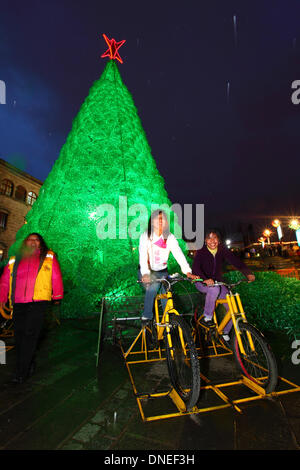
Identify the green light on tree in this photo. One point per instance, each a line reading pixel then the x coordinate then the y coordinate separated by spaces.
pixel 105 159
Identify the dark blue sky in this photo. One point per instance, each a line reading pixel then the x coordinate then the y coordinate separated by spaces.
pixel 233 147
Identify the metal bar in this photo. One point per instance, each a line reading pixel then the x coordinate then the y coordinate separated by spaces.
pixel 254 386
pixel 197 410
pixel 215 387
pixel 100 330
pixel 133 344
pixel 179 413
pixel 148 360
pixel 126 318
pixel 177 400
pixel 290 383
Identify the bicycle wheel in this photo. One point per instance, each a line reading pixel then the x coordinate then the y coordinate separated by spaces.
pixel 258 365
pixel 182 361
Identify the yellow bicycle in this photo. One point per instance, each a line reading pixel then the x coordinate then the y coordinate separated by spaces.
pixel 6 313
pixel 181 355
pixel 6 323
pixel 252 352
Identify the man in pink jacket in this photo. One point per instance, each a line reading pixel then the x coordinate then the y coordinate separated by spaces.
pixel 29 282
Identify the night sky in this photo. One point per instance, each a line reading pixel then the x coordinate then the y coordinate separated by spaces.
pixel 211 82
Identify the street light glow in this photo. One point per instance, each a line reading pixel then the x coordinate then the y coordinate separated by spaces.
pixel 276 223
pixel 294 224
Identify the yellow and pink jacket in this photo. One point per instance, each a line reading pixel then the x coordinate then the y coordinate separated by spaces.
pixel 29 280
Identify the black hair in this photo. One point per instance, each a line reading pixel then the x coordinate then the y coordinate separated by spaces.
pixel 153 216
pixel 215 231
pixel 43 246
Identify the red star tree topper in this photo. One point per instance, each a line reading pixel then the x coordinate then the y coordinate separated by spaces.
pixel 113 47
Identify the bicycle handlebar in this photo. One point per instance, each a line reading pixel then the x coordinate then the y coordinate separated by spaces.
pixel 171 279
pixel 227 284
pixel 174 278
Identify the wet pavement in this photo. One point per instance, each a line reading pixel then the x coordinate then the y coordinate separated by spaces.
pixel 70 404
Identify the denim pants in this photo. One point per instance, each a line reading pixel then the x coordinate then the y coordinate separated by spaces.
pixel 151 291
pixel 212 294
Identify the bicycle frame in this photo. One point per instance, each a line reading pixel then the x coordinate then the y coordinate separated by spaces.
pixel 235 313
pixel 164 323
pixel 161 324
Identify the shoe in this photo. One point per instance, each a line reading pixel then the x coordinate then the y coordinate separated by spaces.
pixel 207 323
pixel 145 321
pixel 226 341
pixel 18 380
pixel 32 369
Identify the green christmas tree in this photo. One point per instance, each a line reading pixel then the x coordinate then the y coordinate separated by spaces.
pixel 105 163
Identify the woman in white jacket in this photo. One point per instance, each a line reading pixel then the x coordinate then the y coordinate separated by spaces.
pixel 154 248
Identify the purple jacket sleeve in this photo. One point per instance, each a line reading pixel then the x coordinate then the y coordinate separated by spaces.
pixel 235 261
pixel 196 268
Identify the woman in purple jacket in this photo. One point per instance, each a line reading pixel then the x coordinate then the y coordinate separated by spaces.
pixel 208 266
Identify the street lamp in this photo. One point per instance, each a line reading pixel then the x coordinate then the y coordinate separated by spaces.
pixel 277 224
pixel 267 234
pixel 295 225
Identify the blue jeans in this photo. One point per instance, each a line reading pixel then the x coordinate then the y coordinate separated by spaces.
pixel 212 294
pixel 151 291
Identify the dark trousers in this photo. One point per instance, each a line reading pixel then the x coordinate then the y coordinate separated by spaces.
pixel 28 321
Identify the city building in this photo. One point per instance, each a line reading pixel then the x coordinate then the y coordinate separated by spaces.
pixel 18 192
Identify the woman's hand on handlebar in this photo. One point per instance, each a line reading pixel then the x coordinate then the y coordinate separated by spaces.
pixel 209 282
pixel 146 279
pixel 192 276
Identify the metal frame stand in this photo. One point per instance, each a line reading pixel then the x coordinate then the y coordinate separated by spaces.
pixel 140 353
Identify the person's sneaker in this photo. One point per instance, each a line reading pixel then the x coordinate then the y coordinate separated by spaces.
pixel 226 341
pixel 206 322
pixel 32 369
pixel 18 380
pixel 145 321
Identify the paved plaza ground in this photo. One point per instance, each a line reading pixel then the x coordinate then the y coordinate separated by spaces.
pixel 70 404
